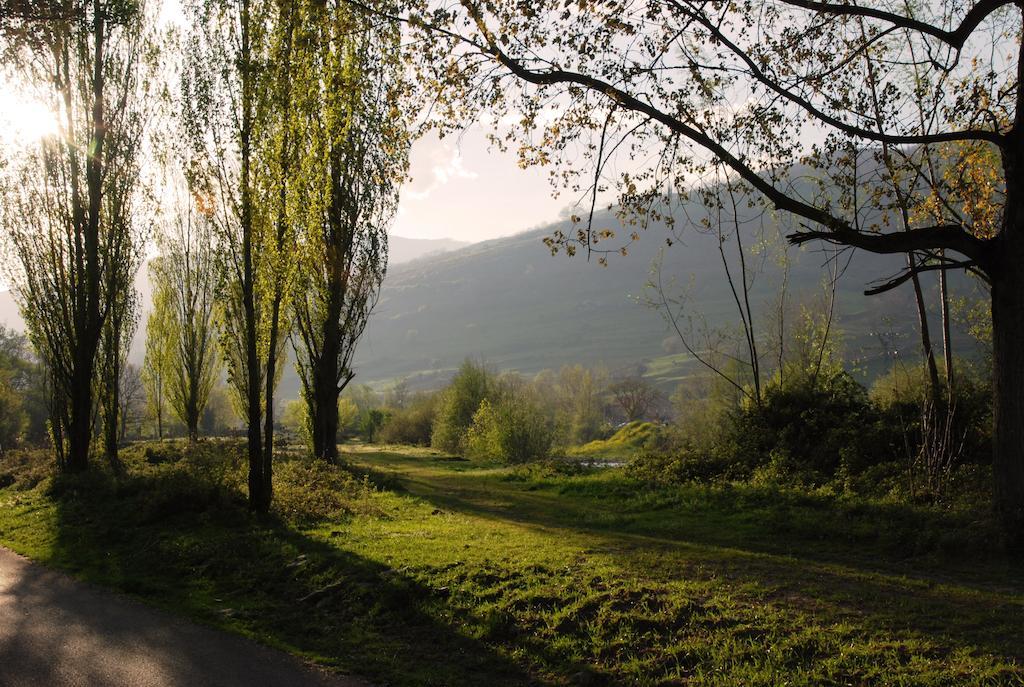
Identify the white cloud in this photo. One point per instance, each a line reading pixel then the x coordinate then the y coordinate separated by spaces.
pixel 449 170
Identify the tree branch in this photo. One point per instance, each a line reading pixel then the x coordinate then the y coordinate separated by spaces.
pixel 805 104
pixel 951 237
pixel 906 276
pixel 955 38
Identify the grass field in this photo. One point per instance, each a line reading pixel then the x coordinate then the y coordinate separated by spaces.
pixel 426 570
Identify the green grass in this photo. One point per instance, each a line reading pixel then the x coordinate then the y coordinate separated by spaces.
pixel 454 573
pixel 621 446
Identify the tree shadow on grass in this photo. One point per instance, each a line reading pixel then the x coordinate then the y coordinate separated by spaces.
pixel 879 594
pixel 191 547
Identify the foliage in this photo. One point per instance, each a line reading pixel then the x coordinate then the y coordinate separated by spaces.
pixel 910 414
pixel 413 422
pixel 133 410
pixel 184 282
pixel 158 363
pixel 314 491
pixel 681 465
pixel 75 209
pixel 813 137
pixel 576 394
pixel 24 469
pixel 295 421
pixel 513 428
pixel 702 404
pixel 16 372
pixel 348 415
pixel 804 432
pixel 371 422
pixel 12 415
pixel 235 123
pixel 343 192
pixel 471 385
pixel 219 416
pixel 636 397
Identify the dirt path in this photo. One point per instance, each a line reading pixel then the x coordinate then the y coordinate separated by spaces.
pixel 56 632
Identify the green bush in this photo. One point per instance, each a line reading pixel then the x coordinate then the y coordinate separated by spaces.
pixel 803 431
pixel 295 422
pixel 348 416
pixel 412 424
pixel 513 429
pixel 308 491
pixel 901 395
pixel 371 422
pixel 679 465
pixel 458 404
pixel 23 469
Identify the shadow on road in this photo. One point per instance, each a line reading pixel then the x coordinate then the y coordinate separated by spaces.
pixel 191 547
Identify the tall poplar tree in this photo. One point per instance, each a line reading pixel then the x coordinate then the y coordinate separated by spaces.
pixel 353 156
pixel 235 102
pixel 70 215
pixel 186 277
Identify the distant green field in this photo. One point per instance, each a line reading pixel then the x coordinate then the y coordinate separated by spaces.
pixel 427 570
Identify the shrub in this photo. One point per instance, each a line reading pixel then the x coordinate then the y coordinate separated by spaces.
pixel 23 469
pixel 216 464
pixel 804 431
pixel 901 394
pixel 308 491
pixel 372 420
pixel 348 416
pixel 513 429
pixel 678 466
pixel 458 404
pixel 295 421
pixel 413 423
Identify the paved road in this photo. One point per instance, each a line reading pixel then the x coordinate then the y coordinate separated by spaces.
pixel 57 632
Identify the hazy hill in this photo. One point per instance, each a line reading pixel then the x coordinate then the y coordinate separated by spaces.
pixel 402 249
pixel 511 303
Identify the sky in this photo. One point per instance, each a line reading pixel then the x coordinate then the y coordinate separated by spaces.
pixel 460 189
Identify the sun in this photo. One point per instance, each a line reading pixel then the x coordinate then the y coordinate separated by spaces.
pixel 24 121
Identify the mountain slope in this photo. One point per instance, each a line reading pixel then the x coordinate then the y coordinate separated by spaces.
pixel 511 303
pixel 403 249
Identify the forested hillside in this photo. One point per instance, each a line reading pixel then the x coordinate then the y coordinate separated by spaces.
pixel 511 303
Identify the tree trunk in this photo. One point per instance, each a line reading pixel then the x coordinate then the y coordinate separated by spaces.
pixel 1008 397
pixel 255 442
pixel 79 430
pixel 248 286
pixel 267 463
pixel 926 339
pixel 324 411
pixel 947 341
pixel 111 420
pixel 192 408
